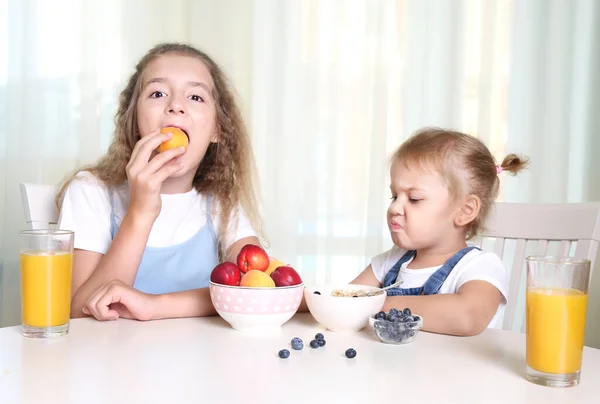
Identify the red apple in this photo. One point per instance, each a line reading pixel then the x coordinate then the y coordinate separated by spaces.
pixel 252 257
pixel 286 276
pixel 226 273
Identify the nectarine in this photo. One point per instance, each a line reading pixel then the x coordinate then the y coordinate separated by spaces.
pixel 252 257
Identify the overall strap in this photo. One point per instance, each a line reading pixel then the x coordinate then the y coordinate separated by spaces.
pixel 113 218
pixel 435 281
pixel 391 276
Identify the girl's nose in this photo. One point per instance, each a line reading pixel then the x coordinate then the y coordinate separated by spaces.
pixel 176 107
pixel 397 207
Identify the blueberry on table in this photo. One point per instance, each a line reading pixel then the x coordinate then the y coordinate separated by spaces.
pixel 314 343
pixel 321 342
pixel 407 311
pixel 319 336
pixel 350 353
pixel 284 353
pixel 297 344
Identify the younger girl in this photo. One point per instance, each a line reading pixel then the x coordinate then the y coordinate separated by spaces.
pixel 150 227
pixel 443 185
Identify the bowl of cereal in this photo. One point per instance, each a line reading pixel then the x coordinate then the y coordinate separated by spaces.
pixel 395 326
pixel 341 308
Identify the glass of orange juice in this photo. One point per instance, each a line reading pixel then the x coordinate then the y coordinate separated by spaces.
pixel 556 305
pixel 46 267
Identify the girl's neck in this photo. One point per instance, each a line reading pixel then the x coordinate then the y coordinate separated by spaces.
pixel 436 255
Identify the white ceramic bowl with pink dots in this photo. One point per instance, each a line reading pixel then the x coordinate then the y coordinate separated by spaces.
pixel 259 311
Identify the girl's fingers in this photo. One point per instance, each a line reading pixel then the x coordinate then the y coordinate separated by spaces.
pixel 93 304
pixel 142 156
pixel 161 159
pixel 103 305
pixel 166 171
pixel 140 142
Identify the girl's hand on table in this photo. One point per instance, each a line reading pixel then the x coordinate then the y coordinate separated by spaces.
pixel 116 299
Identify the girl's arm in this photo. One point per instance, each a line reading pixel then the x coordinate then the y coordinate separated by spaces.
pixel 195 303
pixel 92 270
pixel 465 313
pixel 145 174
pixel 116 298
pixel 367 278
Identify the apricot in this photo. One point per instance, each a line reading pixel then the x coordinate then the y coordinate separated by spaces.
pixel 179 139
pixel 257 279
pixel 273 265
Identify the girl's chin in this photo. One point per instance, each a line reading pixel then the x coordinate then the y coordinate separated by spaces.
pixel 399 242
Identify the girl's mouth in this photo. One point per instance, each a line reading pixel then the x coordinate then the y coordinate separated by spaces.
pixel 395 226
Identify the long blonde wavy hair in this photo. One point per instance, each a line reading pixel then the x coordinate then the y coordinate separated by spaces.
pixel 227 171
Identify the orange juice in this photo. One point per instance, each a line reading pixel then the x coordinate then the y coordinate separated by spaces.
pixel 46 288
pixel 555 329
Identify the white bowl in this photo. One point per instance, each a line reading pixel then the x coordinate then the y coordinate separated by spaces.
pixel 258 311
pixel 342 313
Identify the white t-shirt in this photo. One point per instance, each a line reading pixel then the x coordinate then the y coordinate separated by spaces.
pixel 475 265
pixel 86 211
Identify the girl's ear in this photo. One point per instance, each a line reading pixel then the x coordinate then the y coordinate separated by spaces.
pixel 468 211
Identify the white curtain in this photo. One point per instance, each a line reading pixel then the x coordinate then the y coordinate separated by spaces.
pixel 328 89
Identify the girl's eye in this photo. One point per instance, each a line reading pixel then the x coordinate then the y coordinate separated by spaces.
pixel 393 198
pixel 197 98
pixel 414 200
pixel 157 94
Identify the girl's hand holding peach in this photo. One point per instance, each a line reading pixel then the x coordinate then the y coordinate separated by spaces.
pixel 146 174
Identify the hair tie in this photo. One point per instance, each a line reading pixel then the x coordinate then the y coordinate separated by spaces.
pixel 498 169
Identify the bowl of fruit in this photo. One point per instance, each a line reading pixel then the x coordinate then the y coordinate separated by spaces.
pixel 258 293
pixel 343 308
pixel 395 326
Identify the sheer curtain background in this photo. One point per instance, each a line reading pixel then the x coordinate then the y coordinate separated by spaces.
pixel 328 89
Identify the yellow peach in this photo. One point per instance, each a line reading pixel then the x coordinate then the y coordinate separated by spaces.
pixel 257 279
pixel 273 265
pixel 179 139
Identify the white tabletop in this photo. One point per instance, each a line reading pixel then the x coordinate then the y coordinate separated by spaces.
pixel 203 360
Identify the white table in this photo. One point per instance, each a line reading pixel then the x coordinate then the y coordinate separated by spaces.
pixel 203 360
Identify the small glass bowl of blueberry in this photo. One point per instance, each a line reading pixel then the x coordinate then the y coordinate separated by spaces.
pixel 396 326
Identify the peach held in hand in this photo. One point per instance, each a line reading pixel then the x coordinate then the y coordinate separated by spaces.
pixel 179 139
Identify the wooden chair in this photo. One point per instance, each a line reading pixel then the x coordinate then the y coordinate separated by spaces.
pixel 38 205
pixel 516 230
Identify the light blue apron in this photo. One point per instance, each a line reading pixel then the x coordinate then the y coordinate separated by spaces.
pixel 178 267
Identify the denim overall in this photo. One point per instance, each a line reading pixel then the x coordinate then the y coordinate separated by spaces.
pixel 432 285
pixel 183 266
